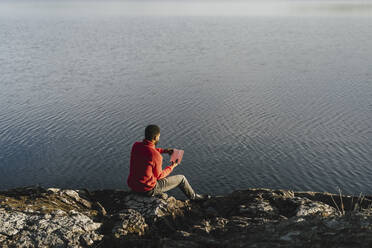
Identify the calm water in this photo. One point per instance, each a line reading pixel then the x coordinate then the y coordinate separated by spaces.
pixel 276 101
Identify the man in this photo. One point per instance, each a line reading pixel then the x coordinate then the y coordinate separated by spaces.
pixel 146 175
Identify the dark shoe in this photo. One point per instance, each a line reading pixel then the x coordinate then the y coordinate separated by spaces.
pixel 201 197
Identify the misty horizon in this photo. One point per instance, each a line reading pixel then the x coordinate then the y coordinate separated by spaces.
pixel 193 8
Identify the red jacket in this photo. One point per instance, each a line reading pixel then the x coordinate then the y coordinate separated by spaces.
pixel 146 166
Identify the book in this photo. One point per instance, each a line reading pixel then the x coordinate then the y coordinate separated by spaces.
pixel 177 154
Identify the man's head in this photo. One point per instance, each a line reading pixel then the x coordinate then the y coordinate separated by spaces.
pixel 152 133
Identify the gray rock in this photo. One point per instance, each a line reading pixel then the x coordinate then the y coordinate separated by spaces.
pixel 290 236
pixel 76 197
pixel 151 208
pixel 47 230
pixel 308 207
pixel 129 221
pixel 11 222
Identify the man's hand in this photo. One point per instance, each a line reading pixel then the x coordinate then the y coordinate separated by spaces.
pixel 174 164
pixel 169 151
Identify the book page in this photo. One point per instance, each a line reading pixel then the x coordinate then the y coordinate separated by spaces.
pixel 177 154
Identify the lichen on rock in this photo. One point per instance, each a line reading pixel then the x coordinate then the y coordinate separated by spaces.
pixel 56 229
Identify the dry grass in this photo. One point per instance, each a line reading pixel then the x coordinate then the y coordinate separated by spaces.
pixel 354 206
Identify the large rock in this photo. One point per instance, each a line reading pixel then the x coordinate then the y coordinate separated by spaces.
pixel 153 208
pixel 139 213
pixel 55 229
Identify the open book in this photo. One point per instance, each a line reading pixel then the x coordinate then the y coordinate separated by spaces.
pixel 177 154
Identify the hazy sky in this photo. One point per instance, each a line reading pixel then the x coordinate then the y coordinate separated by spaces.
pixel 192 7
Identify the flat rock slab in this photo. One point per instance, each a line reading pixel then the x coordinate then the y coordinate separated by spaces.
pixel 56 229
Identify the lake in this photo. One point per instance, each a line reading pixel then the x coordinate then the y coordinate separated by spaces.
pixel 274 95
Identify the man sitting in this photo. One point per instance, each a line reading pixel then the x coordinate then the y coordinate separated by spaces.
pixel 146 175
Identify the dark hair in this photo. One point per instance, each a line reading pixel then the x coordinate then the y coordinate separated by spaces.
pixel 151 131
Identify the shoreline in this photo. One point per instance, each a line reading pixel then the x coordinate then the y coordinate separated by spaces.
pixel 255 217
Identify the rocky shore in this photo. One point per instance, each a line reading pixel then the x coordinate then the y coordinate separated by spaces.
pixel 39 217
